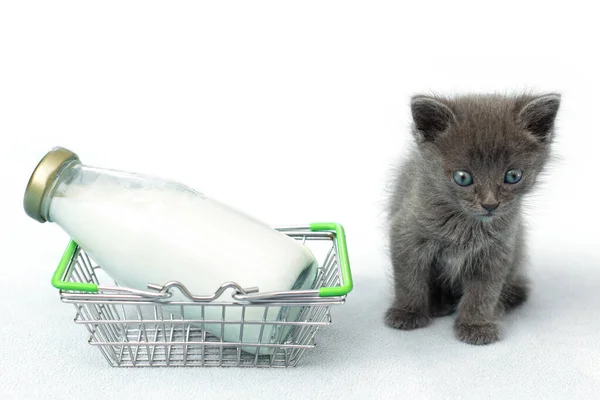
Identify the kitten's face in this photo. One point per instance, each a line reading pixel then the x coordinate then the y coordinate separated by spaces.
pixel 490 149
pixel 487 178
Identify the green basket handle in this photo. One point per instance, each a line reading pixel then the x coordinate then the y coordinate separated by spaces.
pixel 346 283
pixel 57 279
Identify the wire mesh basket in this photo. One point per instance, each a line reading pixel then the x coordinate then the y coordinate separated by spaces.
pixel 147 328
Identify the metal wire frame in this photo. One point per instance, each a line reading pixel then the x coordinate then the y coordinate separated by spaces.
pixel 136 329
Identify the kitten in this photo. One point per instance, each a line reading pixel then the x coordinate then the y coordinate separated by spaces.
pixel 456 235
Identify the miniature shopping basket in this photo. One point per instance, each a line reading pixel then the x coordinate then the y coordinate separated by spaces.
pixel 146 328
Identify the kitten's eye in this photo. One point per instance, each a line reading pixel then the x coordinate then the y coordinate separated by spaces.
pixel 462 178
pixel 513 176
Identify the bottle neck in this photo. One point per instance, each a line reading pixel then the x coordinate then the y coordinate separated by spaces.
pixel 62 178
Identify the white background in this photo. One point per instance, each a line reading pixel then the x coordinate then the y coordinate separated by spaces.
pixel 295 112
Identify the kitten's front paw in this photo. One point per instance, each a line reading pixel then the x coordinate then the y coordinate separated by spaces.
pixel 400 319
pixel 477 334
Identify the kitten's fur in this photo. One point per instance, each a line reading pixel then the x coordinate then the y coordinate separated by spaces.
pixel 447 254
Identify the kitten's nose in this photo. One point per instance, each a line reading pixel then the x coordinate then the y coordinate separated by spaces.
pixel 490 206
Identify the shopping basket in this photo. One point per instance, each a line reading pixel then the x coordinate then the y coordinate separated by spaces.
pixel 147 328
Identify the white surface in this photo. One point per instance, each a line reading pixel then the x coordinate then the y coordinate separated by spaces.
pixel 296 114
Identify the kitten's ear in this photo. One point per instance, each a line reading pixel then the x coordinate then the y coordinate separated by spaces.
pixel 430 117
pixel 539 115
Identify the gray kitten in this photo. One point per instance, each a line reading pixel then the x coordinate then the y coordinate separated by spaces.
pixel 456 235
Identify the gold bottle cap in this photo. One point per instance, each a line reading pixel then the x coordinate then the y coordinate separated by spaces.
pixel 41 180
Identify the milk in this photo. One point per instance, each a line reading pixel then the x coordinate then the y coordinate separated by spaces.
pixel 142 233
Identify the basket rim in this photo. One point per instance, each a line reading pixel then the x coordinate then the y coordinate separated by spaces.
pixel 83 290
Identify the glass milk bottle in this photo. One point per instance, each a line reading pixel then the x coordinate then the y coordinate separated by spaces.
pixel 142 229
